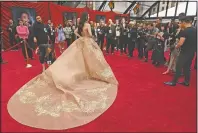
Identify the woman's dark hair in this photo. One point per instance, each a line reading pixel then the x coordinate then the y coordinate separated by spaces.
pixel 30 22
pixel 83 19
pixel 20 20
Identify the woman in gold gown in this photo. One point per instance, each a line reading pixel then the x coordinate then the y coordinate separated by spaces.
pixel 76 89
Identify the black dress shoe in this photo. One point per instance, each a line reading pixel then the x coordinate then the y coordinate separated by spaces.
pixel 157 64
pixel 184 83
pixel 170 83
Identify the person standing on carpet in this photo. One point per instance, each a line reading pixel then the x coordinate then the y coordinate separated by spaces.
pixel 132 38
pixel 158 51
pixel 187 43
pixel 1 44
pixel 174 52
pixel 118 30
pixel 75 90
pixel 123 36
pixel 23 33
pixel 101 34
pixel 12 32
pixel 48 25
pixel 141 42
pixel 31 43
pixel 52 35
pixel 151 40
pixel 68 33
pixel 61 38
pixel 110 36
pixel 41 39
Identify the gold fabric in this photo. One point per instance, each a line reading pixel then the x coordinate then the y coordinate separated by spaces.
pixel 76 89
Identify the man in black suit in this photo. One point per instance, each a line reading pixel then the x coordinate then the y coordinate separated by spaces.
pixel 187 43
pixel 132 38
pixel 123 37
pixel 101 34
pixel 117 40
pixel 110 37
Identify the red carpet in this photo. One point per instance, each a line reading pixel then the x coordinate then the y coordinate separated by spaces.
pixel 143 103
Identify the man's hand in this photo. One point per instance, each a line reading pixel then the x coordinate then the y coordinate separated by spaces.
pixel 36 51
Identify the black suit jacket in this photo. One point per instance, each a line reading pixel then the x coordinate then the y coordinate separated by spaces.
pixel 113 32
pixel 51 34
pixel 101 30
pixel 123 30
pixel 13 32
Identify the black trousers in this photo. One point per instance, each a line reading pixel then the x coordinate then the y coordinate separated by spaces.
pixel 29 50
pixel 12 41
pixel 68 40
pixel 117 42
pixel 140 47
pixel 131 46
pixel 73 38
pixel 101 42
pixel 52 42
pixel 53 47
pixel 145 52
pixel 123 43
pixel 42 53
pixel 110 42
pixel 184 62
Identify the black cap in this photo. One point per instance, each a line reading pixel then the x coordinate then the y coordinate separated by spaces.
pixel 181 16
pixel 186 19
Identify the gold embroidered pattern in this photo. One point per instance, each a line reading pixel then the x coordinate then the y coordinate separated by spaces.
pixel 52 105
pixel 97 52
pixel 107 73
